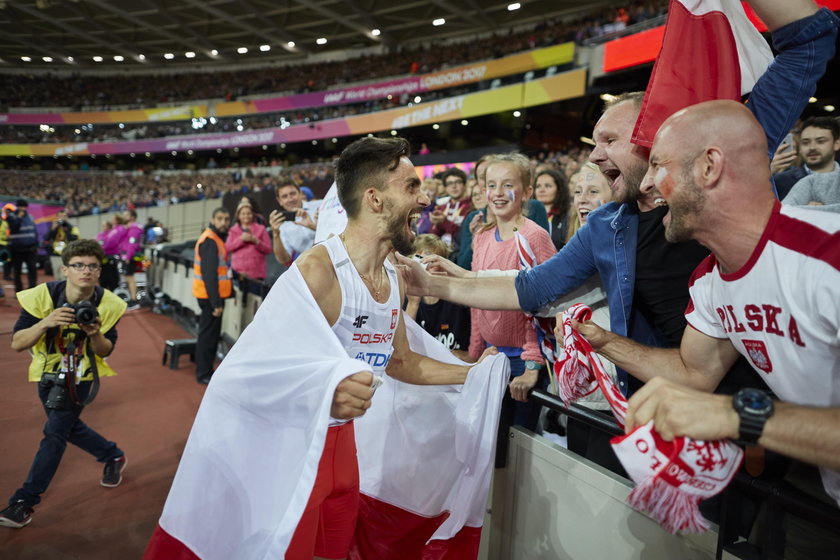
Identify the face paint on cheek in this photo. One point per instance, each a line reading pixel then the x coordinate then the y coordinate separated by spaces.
pixel 664 182
pixel 511 196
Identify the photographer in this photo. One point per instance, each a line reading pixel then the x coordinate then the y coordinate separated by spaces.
pixel 61 233
pixel 68 326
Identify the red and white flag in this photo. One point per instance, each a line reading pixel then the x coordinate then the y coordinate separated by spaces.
pixel 710 51
pixel 671 477
pixel 250 462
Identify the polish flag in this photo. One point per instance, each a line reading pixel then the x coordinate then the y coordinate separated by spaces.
pixel 711 50
pixel 425 452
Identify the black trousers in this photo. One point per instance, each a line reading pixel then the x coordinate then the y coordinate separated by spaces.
pixel 31 260
pixel 209 331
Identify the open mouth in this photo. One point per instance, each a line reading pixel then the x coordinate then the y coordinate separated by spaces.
pixel 659 201
pixel 611 175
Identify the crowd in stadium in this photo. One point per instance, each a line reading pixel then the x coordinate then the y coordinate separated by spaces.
pixel 102 93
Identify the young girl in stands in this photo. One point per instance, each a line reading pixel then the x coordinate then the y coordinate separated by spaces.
pixel 497 246
pixel 248 243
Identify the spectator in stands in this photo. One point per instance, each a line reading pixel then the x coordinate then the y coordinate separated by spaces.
pixel 23 243
pixel 292 227
pixel 551 190
pixel 248 243
pixel 132 253
pixel 429 187
pixel 112 245
pixel 450 212
pixel 212 284
pixel 475 220
pixel 106 230
pixel 61 233
pixel 5 255
pixel 255 209
pixel 496 247
pixel 820 191
pixel 444 320
pixel 818 146
pixel 781 301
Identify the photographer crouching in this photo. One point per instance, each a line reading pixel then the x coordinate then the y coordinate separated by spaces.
pixel 68 326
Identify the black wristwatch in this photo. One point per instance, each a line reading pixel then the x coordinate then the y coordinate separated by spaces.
pixel 754 408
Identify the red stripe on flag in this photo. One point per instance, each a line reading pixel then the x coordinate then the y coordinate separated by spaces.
pixel 386 531
pixel 164 546
pixel 697 50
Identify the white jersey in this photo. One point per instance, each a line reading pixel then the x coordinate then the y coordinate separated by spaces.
pixel 365 327
pixel 782 309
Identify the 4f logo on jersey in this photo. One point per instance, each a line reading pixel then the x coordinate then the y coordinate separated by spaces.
pixel 359 321
pixel 394 315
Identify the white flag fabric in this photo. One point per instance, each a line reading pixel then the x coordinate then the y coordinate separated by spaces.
pixel 251 459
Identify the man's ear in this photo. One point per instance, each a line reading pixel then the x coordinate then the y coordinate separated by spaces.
pixel 373 199
pixel 711 166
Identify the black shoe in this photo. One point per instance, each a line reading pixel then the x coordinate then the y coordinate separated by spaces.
pixel 17 515
pixel 112 475
pixel 204 380
pixel 132 305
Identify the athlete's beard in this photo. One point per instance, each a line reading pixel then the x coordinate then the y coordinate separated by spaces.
pixel 400 239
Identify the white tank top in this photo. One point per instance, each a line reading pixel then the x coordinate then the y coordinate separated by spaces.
pixel 365 327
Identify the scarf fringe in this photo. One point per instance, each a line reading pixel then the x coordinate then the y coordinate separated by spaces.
pixel 667 505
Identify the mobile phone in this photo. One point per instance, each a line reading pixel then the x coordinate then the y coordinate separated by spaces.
pixel 789 141
pixel 289 216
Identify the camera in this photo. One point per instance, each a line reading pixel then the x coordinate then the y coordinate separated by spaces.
pixel 85 312
pixel 57 397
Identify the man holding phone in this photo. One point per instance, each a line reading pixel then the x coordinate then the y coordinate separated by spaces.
pixel 818 146
pixel 293 229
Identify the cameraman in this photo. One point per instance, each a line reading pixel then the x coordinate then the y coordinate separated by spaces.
pixel 61 233
pixel 48 327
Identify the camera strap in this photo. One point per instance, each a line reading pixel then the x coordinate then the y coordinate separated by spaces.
pixel 59 299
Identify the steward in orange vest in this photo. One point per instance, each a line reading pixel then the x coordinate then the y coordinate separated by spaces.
pixel 212 284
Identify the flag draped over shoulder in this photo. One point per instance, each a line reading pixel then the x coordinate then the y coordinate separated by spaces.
pixel 426 459
pixel 252 456
pixel 710 51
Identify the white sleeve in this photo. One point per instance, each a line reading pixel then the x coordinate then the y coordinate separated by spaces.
pixel 701 313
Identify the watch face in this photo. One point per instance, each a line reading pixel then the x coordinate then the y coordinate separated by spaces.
pixel 753 401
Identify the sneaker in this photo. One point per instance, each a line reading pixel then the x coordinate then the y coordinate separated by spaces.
pixel 132 305
pixel 112 475
pixel 17 515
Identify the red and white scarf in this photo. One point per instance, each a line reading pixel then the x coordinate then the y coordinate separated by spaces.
pixel 672 477
pixel 543 325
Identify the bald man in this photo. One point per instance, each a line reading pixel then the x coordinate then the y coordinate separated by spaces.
pixel 770 291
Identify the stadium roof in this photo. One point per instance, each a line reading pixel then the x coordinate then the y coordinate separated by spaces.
pixel 68 34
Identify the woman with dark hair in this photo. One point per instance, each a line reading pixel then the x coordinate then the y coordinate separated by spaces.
pixel 552 190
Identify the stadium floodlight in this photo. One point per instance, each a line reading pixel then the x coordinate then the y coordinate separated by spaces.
pixel 97 58
pixel 141 57
pixel 242 50
pixel 465 122
pixel 189 54
pixel 70 59
pixel 812 100
pixel 290 44
pixel 438 22
pixel 393 133
pixel 829 108
pixel 265 48
pixel 26 58
pixel 417 99
pixel 375 32
pixel 169 56
pixel 118 58
pixel 321 40
pixel 514 6
pixel 214 52
pixel 435 126
pixel 47 59
pixel 517 114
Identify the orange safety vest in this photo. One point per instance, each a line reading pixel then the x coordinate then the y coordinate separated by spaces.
pixel 223 270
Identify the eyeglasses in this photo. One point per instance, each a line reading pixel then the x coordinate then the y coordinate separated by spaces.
pixel 78 267
pixel 454 182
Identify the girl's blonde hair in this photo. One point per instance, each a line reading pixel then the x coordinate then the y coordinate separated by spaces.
pixel 523 166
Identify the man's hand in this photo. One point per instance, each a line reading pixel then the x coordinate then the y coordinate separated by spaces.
pixel 596 336
pixel 93 328
pixel 305 219
pixel 352 396
pixel 441 266
pixel 275 219
pixel 519 386
pixel 61 317
pixel 677 410
pixel 437 217
pixel 217 311
pixel 815 203
pixel 414 275
pixel 782 160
